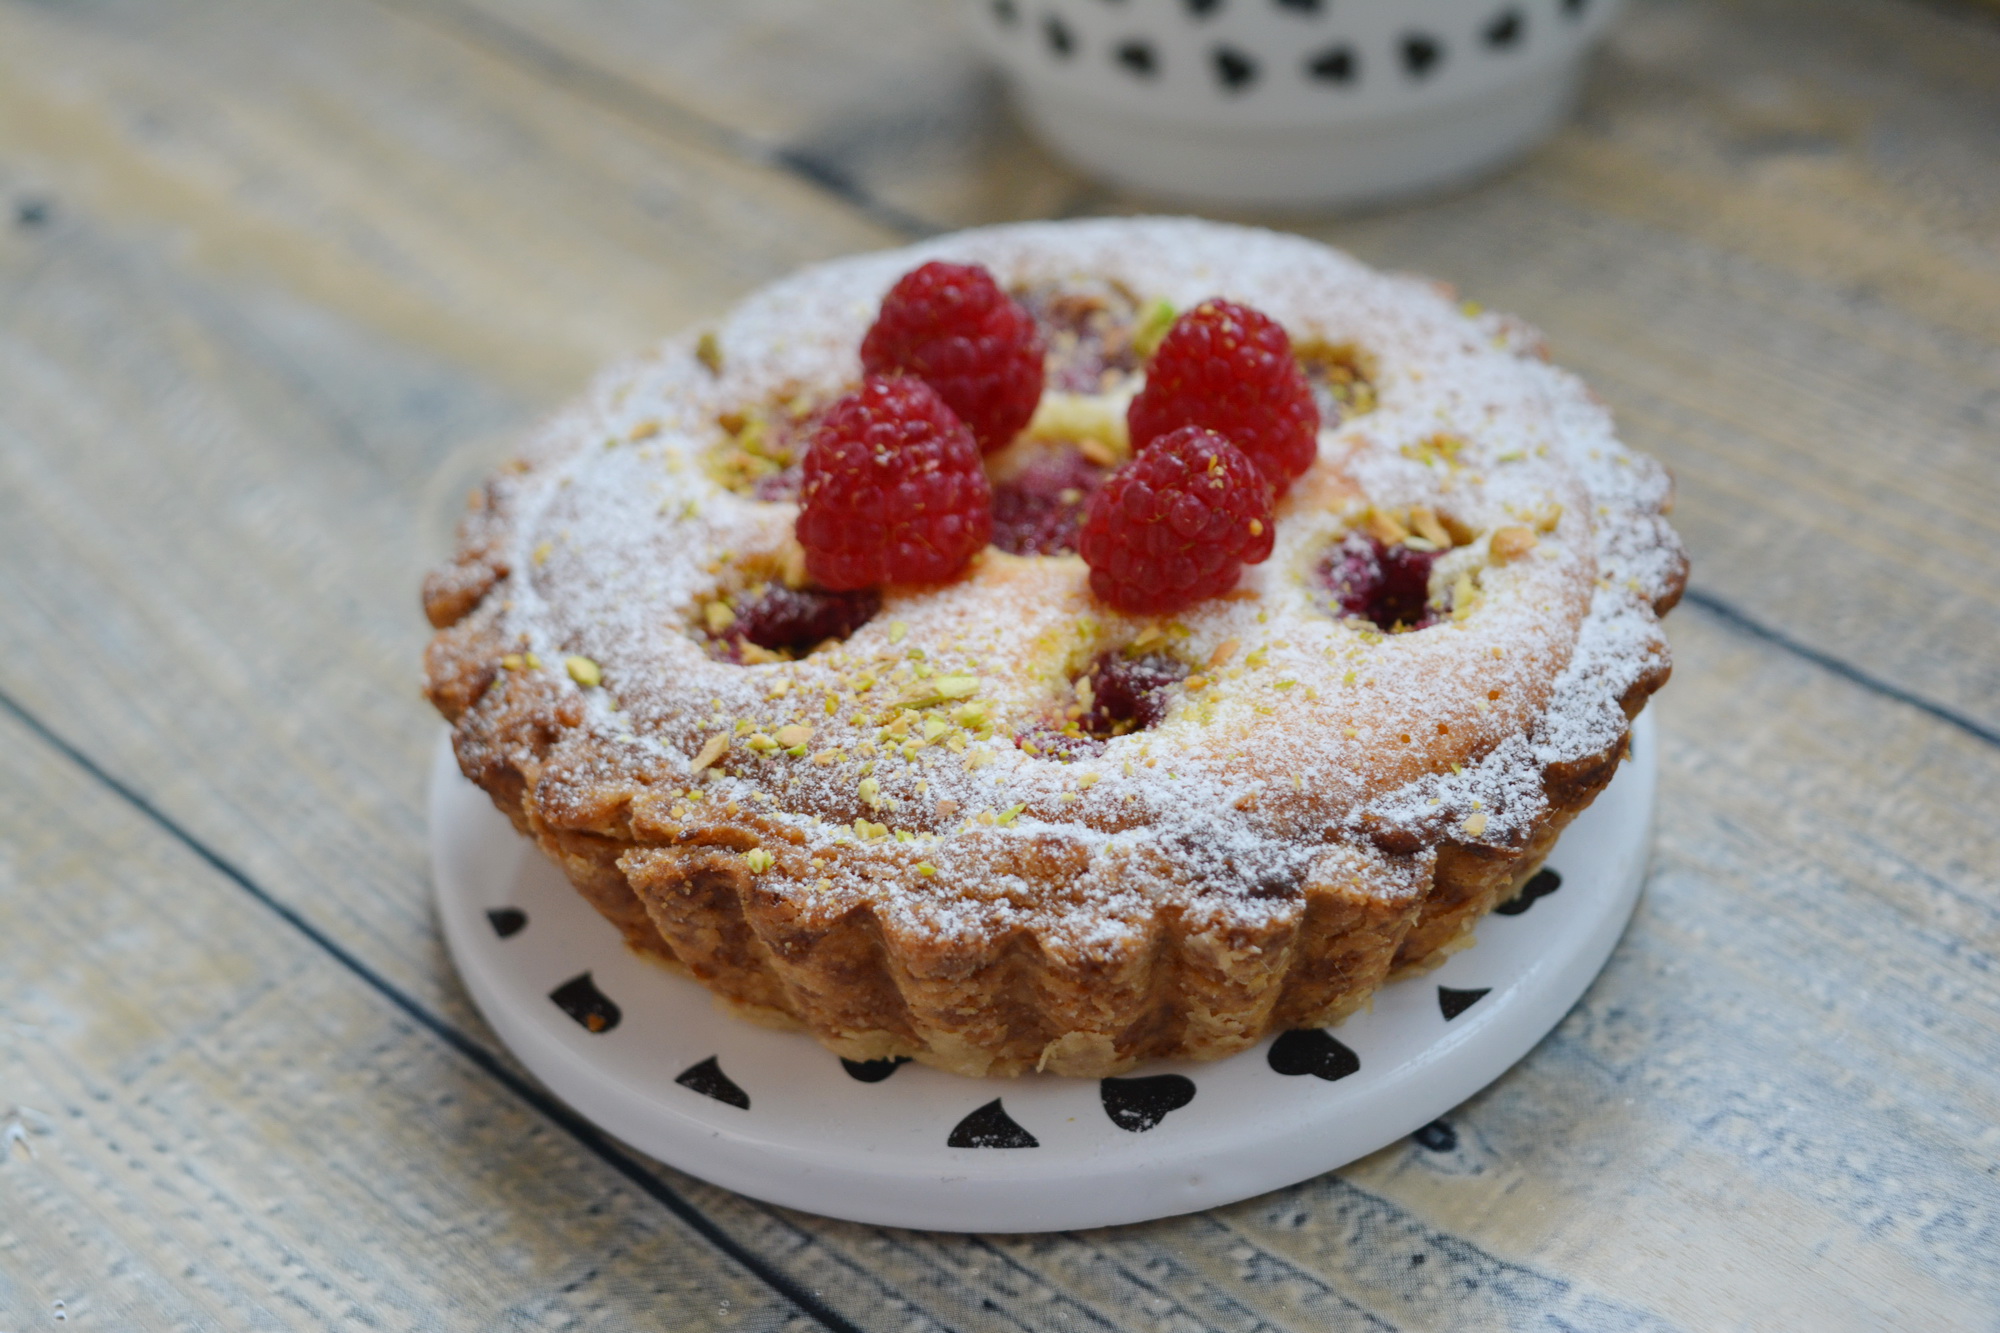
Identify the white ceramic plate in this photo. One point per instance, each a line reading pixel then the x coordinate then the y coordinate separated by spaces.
pixel 645 1055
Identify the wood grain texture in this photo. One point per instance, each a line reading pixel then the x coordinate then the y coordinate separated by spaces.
pixel 278 288
pixel 1774 248
pixel 208 1125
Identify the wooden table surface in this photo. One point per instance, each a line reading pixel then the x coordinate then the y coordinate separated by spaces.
pixel 278 283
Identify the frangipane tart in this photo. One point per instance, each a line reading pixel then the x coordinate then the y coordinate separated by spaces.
pixel 996 825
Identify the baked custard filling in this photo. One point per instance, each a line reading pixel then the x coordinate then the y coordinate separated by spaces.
pixel 996 823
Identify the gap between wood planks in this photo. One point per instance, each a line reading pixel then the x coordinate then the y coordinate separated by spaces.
pixel 1746 624
pixel 634 101
pixel 593 1139
pixel 578 1128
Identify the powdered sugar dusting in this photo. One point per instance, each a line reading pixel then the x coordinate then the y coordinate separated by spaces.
pixel 888 769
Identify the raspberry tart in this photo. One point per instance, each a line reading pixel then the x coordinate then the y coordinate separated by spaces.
pixel 1061 646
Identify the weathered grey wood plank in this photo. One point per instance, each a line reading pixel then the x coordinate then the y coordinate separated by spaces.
pixel 1793 1030
pixel 1777 254
pixel 1774 1110
pixel 279 422
pixel 337 387
pixel 205 1123
pixel 1573 1151
pixel 360 162
pixel 885 98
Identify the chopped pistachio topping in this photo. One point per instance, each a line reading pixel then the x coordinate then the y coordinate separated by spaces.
pixel 711 750
pixel 1438 450
pixel 708 351
pixel 584 671
pixel 1511 543
pixel 1094 424
pixel 1151 330
pixel 939 689
pixel 1385 527
pixel 1425 520
pixel 1464 596
pixel 759 860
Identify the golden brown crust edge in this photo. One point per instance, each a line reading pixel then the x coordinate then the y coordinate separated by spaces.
pixel 1192 977
pixel 1191 986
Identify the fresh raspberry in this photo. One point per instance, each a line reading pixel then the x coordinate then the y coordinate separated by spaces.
pixel 796 620
pixel 1177 523
pixel 1231 369
pixel 1131 693
pixel 1125 694
pixel 952 327
pixel 892 490
pixel 1389 585
pixel 1040 509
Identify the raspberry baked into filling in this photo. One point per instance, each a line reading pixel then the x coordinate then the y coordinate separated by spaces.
pixel 1060 646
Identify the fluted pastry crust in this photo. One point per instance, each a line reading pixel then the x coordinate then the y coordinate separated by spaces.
pixel 1323 806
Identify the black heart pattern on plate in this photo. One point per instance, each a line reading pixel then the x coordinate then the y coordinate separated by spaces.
pixel 1140 1104
pixel 1452 1003
pixel 507 921
pixel 1334 65
pixel 990 1127
pixel 708 1079
pixel 1312 1051
pixel 1422 55
pixel 872 1071
pixel 1544 883
pixel 580 999
pixel 1505 30
pixel 1436 1136
pixel 1138 58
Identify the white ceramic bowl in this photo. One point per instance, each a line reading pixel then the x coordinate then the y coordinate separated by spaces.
pixel 1290 103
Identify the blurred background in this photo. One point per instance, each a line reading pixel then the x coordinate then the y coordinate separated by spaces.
pixel 278 284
